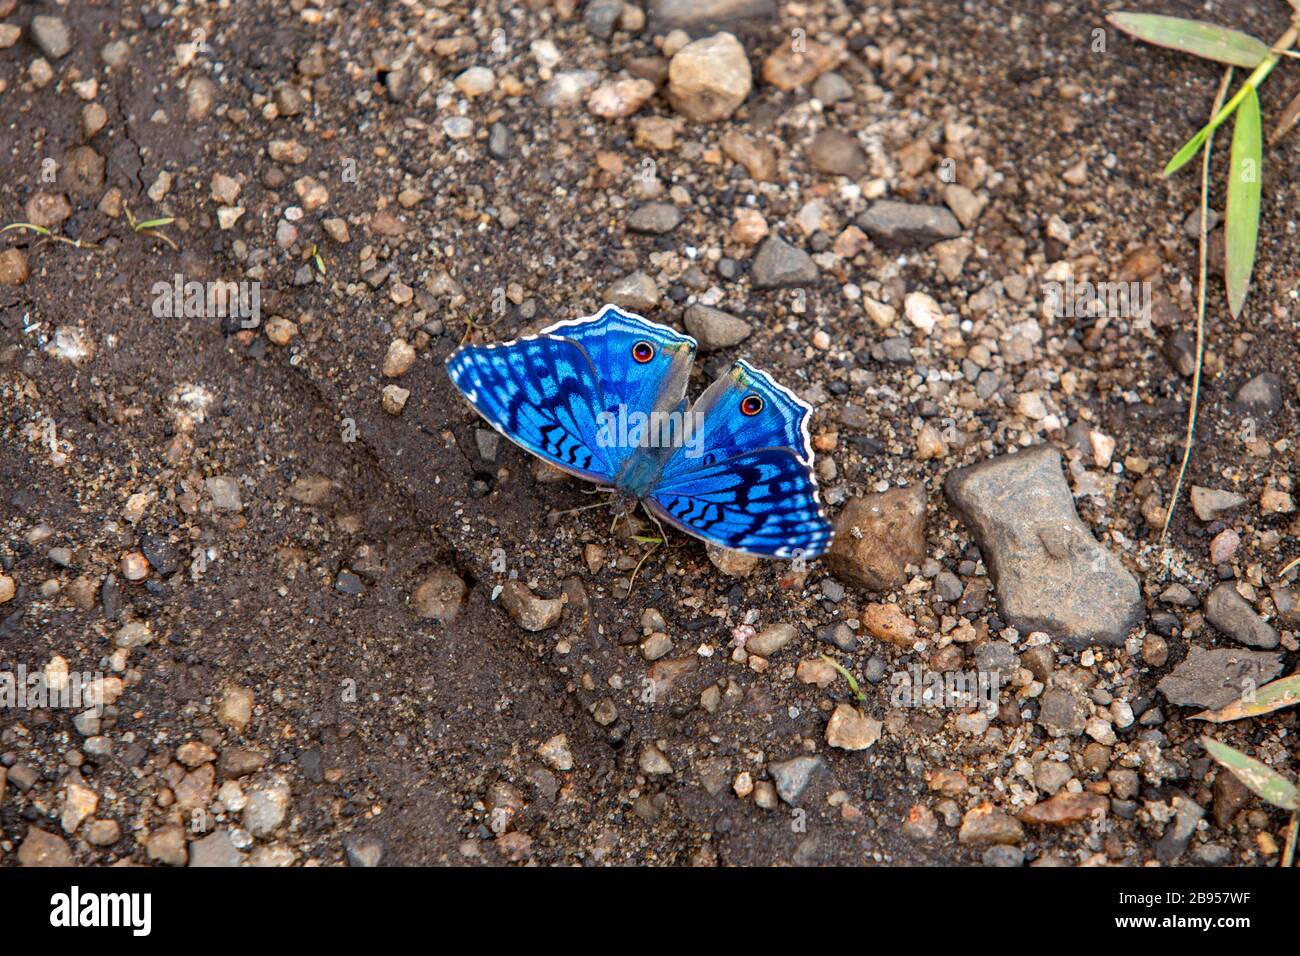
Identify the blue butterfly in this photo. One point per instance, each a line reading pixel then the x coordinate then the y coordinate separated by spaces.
pixel 604 398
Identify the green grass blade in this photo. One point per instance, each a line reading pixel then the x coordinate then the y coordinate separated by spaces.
pixel 1193 145
pixel 1241 228
pixel 1284 692
pixel 1267 783
pixel 1196 37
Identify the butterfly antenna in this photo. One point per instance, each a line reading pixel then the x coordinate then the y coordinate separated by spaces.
pixel 471 325
pixel 557 515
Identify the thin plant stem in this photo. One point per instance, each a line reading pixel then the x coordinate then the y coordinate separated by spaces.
pixel 1200 309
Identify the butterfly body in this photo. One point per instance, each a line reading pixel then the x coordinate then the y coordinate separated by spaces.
pixel 604 398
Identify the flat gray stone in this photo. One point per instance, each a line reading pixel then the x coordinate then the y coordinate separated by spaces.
pixel 780 265
pixel 1262 394
pixel 224 491
pixel 601 17
pixel 900 224
pixel 1232 614
pixel 636 292
pixel 1212 503
pixel 655 217
pixel 714 328
pixel 792 776
pixel 1051 574
pixel 215 849
pixel 703 17
pixel 836 152
pixel 51 35
pixel 1215 678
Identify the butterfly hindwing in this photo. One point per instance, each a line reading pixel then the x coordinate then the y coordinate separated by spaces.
pixel 764 502
pixel 543 394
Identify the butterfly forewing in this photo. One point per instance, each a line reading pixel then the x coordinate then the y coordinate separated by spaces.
pixel 543 394
pixel 632 379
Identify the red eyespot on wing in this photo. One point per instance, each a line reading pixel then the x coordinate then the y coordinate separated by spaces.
pixel 751 404
pixel 643 352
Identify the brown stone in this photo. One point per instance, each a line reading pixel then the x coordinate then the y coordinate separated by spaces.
pixel 1065 808
pixel 886 622
pixel 877 536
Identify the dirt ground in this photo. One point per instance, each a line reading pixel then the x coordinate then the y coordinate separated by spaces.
pixel 394 725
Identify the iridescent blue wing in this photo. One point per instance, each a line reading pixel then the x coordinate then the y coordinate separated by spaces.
pixel 764 502
pixel 743 410
pixel 543 394
pixel 632 380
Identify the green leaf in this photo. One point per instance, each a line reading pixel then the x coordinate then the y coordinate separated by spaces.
pixel 1284 692
pixel 1267 783
pixel 154 223
pixel 1193 145
pixel 1197 37
pixel 1241 228
pixel 844 672
pixel 26 225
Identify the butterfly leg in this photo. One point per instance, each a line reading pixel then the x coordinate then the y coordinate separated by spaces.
pixel 653 517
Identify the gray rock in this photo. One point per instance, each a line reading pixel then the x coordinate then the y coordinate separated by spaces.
pixel 836 152
pixel 364 851
pixel 499 141
pixel 1262 394
pixel 948 586
pixel 215 849
pixel 1062 712
pixel 1212 854
pixel 1179 595
pixel 780 265
pixel 702 17
pixel 267 805
pixel 902 224
pixel 568 88
pixel 770 640
pixel 996 657
pixel 1288 607
pixel 831 88
pixel 1179 351
pixel 792 776
pixel 1179 832
pixel 116 53
pixel 1230 613
pixel 488 442
pixel 714 328
pixel 1003 855
pixel 1211 503
pixel 601 17
pixel 225 493
pixel 655 217
pixel 1050 572
pixel 51 35
pixel 896 350
pixel 636 292
pixel 1215 678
